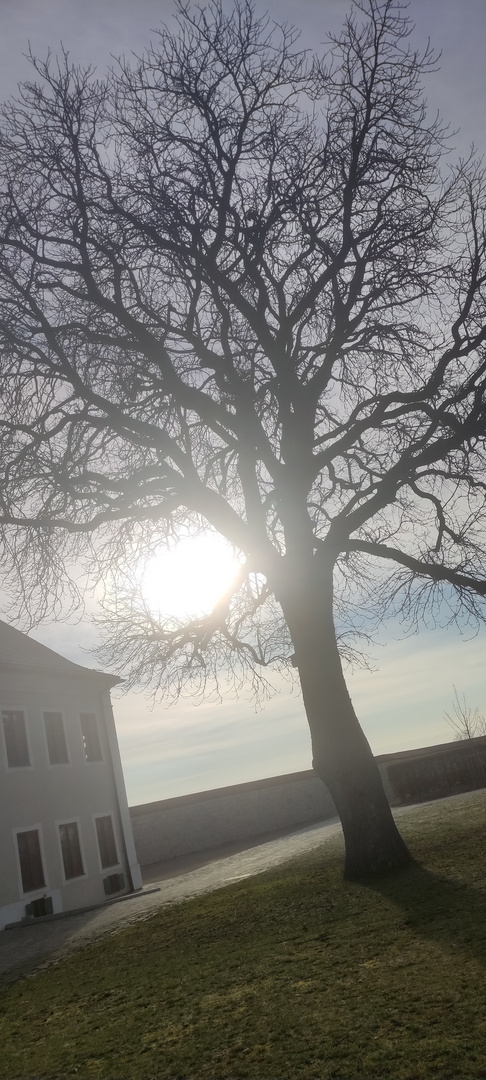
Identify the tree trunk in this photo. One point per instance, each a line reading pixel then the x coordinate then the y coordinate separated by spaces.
pixel 341 753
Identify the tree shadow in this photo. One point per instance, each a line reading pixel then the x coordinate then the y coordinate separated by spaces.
pixel 449 912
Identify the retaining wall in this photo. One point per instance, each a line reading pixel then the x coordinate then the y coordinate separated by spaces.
pixel 172 827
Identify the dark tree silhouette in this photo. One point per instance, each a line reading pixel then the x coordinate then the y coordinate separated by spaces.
pixel 238 294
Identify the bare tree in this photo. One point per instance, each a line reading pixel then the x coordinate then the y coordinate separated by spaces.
pixel 239 294
pixel 466 722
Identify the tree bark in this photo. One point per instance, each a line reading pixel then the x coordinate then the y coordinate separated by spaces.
pixel 342 756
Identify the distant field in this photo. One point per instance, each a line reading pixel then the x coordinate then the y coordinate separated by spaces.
pixel 292 974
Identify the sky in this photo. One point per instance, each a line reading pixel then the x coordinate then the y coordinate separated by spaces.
pixel 186 748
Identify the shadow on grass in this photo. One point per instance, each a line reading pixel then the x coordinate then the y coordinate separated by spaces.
pixel 447 912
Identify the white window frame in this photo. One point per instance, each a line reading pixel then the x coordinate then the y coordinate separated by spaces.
pixel 43 889
pixel 71 821
pixel 119 864
pixel 21 709
pixel 59 764
pixel 95 713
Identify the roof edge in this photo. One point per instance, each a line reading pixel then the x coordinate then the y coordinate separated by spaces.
pixel 76 671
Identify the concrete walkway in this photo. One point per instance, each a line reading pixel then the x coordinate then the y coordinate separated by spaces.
pixel 25 948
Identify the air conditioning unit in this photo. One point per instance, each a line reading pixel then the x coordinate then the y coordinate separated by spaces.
pixel 113 884
pixel 37 908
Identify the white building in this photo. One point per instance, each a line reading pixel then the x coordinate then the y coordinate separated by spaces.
pixel 65 833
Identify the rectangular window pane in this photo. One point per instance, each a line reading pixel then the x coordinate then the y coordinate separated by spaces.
pixel 15 738
pixel 71 850
pixel 106 842
pixel 91 738
pixel 30 857
pixel 56 739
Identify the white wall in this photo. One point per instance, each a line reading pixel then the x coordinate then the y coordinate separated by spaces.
pixel 42 795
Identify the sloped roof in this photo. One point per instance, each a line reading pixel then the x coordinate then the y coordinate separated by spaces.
pixel 21 651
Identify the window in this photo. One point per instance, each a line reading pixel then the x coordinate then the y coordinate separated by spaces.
pixel 106 841
pixel 30 858
pixel 56 739
pixel 15 738
pixel 91 737
pixel 71 850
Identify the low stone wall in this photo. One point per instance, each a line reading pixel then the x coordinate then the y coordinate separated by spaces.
pixel 434 772
pixel 173 827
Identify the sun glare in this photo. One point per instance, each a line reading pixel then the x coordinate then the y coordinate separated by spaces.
pixel 189 579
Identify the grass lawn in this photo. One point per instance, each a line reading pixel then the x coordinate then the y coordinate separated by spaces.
pixel 292 974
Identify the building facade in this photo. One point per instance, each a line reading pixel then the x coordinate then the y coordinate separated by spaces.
pixel 65 833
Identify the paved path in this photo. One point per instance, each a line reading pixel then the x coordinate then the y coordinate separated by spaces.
pixel 27 947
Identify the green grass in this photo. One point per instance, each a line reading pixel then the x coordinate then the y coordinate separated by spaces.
pixel 292 974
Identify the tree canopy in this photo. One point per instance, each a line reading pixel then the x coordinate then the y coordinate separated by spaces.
pixel 242 291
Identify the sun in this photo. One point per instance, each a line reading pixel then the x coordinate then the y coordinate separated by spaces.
pixel 187 580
